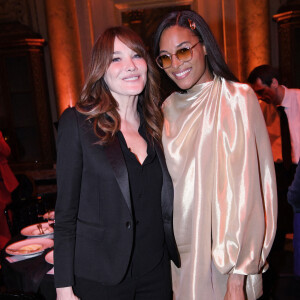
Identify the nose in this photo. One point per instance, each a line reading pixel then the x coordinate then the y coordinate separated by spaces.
pixel 130 65
pixel 176 62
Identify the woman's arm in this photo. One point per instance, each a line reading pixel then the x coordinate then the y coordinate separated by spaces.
pixel 69 171
pixel 244 212
pixel 65 293
pixel 235 287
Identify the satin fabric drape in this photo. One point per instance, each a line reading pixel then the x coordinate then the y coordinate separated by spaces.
pixel 225 207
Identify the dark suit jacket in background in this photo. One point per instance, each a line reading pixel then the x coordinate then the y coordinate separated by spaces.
pixel 294 199
pixel 294 191
pixel 93 216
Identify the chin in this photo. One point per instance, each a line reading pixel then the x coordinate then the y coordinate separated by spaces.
pixel 133 88
pixel 134 92
pixel 184 85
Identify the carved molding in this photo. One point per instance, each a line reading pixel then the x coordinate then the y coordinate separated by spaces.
pixel 287 17
pixel 14 10
pixel 288 41
pixel 143 16
pixel 122 5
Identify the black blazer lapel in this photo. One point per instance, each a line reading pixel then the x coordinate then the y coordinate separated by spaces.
pixel 167 192
pixel 116 159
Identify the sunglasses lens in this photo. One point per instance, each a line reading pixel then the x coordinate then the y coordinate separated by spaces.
pixel 184 54
pixel 164 61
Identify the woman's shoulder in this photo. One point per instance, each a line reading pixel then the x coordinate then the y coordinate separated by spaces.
pixel 238 86
pixel 245 100
pixel 71 113
pixel 241 91
pixel 71 118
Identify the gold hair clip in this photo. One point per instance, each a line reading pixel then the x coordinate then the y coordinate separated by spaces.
pixel 192 24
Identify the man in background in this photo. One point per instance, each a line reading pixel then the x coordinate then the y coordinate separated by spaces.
pixel 281 110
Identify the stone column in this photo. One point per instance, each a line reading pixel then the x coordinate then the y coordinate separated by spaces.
pixel 211 12
pixel 242 31
pixel 253 35
pixel 64 44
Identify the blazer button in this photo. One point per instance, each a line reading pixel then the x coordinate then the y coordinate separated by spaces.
pixel 128 225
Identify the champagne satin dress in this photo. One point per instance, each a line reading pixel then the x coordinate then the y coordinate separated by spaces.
pixel 225 207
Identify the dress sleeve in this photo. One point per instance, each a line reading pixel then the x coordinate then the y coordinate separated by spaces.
pixel 69 170
pixel 244 210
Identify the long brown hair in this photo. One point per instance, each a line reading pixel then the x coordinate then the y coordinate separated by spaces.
pixel 96 100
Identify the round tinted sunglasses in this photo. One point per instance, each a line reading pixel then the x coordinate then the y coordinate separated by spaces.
pixel 164 60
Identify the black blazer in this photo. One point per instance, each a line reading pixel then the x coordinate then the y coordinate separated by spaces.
pixel 93 216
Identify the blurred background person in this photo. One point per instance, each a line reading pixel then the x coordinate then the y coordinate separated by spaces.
pixel 281 109
pixel 8 183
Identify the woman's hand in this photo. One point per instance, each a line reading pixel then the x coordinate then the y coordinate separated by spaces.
pixel 65 293
pixel 235 287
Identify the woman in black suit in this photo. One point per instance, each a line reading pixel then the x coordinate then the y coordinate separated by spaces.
pixel 114 232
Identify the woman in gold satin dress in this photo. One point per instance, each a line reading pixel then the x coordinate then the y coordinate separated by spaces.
pixel 219 156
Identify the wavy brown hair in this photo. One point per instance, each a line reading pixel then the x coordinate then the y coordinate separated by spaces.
pixel 96 100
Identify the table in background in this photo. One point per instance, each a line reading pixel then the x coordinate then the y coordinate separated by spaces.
pixel 29 275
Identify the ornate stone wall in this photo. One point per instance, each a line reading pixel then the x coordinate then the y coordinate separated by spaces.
pixel 240 27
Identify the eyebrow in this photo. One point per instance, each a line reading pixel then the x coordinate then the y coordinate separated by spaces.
pixel 178 46
pixel 121 52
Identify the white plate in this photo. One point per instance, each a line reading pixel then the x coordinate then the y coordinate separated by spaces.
pixel 49 215
pixel 29 246
pixel 33 230
pixel 49 257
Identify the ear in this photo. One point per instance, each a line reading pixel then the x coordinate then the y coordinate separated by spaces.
pixel 258 81
pixel 274 83
pixel 204 50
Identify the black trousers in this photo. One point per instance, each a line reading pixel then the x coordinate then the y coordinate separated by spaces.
pixel 284 179
pixel 155 285
pixel 276 258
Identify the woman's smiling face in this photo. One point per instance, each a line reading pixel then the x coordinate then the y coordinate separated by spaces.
pixel 127 73
pixel 184 74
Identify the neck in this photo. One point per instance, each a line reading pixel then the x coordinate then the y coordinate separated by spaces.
pixel 281 92
pixel 128 110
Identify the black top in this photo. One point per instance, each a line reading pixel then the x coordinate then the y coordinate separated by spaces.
pixel 145 182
